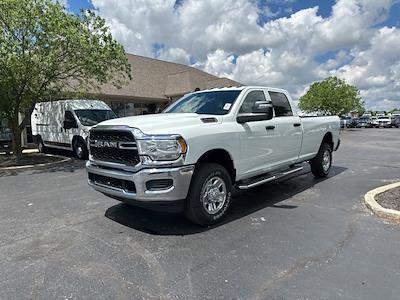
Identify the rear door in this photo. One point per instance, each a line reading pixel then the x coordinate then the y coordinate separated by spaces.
pixel 288 129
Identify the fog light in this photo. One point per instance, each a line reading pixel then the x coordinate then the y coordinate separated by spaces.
pixel 159 184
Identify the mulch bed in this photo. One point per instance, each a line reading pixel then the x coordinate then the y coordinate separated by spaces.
pixel 27 159
pixel 389 199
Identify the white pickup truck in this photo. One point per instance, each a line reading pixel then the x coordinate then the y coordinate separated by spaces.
pixel 192 155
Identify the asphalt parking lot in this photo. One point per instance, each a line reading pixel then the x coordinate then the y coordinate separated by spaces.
pixel 298 238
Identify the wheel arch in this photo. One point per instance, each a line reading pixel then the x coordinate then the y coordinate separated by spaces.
pixel 37 138
pixel 219 156
pixel 77 138
pixel 328 139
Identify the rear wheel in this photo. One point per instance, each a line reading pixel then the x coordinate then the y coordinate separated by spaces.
pixel 209 195
pixel 321 164
pixel 41 147
pixel 80 149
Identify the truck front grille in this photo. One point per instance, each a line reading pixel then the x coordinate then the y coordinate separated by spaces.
pixel 113 146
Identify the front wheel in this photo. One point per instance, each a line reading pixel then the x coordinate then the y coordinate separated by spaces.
pixel 321 164
pixel 80 149
pixel 209 195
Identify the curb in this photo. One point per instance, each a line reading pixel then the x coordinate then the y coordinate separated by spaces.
pixel 370 202
pixel 37 165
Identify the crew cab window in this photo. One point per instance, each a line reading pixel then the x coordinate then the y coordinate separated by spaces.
pixel 251 98
pixel 281 104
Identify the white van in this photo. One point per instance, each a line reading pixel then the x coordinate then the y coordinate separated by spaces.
pixel 65 124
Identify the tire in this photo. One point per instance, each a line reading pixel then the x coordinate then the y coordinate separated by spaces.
pixel 205 210
pixel 321 164
pixel 41 147
pixel 80 149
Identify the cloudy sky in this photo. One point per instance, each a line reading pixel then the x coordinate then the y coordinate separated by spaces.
pixel 279 43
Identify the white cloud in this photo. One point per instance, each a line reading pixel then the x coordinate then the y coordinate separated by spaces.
pixel 174 54
pixel 375 70
pixel 226 38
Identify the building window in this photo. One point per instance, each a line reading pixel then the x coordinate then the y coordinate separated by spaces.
pixel 117 107
pixel 126 109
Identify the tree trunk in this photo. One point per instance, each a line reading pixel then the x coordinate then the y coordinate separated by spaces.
pixel 16 137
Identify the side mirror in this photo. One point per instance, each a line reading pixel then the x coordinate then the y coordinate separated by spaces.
pixel 68 124
pixel 261 107
pixel 262 110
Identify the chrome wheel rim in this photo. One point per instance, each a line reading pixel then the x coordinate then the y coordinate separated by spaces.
pixel 79 151
pixel 213 195
pixel 326 160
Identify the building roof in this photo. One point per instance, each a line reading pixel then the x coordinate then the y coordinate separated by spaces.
pixel 157 80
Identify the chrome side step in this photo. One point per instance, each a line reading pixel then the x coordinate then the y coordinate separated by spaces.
pixel 270 177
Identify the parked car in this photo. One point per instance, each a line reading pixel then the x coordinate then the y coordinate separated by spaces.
pixel 396 122
pixel 192 155
pixel 353 123
pixel 65 124
pixel 384 122
pixel 345 121
pixel 380 114
pixel 367 114
pixel 374 122
pixel 364 121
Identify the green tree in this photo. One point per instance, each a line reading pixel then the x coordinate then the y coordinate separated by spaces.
pixel 46 52
pixel 332 96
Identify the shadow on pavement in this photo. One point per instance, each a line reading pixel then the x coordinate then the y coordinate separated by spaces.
pixel 243 203
pixel 69 166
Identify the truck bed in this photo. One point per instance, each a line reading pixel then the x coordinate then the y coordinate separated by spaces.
pixel 314 131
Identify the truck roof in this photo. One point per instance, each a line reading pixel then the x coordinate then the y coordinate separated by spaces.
pixel 240 88
pixel 80 104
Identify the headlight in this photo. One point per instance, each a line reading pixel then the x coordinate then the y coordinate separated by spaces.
pixel 162 147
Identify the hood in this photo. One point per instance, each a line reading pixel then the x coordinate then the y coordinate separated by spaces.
pixel 165 123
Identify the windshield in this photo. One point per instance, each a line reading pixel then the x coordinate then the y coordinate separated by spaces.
pixel 382 118
pixel 90 117
pixel 213 103
pixel 364 119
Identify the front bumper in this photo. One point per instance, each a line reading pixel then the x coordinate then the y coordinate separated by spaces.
pixel 179 177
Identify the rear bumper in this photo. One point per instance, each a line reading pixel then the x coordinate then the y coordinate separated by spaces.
pixel 138 183
pixel 5 146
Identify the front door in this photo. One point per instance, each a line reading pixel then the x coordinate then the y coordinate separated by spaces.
pixel 259 141
pixel 68 130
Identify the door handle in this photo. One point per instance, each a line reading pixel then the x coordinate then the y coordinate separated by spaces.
pixel 271 127
pixel 297 124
